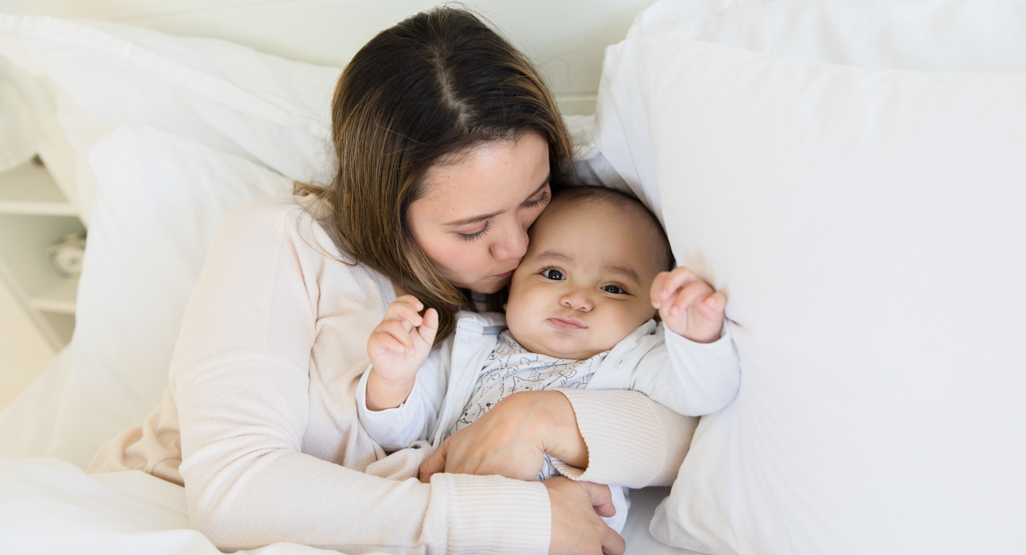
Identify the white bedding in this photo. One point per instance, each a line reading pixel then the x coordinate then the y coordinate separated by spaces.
pixel 48 506
pixel 203 121
pixel 169 134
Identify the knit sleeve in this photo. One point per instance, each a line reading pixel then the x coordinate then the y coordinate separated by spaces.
pixel 632 441
pixel 241 379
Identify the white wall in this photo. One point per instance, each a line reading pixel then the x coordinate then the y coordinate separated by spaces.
pixel 23 350
pixel 565 37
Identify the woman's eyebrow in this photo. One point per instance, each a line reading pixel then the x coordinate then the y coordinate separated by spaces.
pixel 475 219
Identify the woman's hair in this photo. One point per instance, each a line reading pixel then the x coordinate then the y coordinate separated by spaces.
pixel 421 93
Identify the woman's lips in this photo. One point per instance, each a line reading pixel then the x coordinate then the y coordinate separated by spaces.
pixel 566 324
pixel 505 275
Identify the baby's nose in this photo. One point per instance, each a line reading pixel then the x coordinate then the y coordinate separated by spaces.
pixel 577 300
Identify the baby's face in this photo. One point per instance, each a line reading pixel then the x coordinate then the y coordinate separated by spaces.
pixel 583 285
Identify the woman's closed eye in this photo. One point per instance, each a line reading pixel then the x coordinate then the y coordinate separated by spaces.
pixel 473 236
pixel 540 198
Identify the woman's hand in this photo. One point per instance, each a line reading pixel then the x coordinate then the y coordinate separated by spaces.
pixel 576 526
pixel 688 306
pixel 511 439
pixel 397 349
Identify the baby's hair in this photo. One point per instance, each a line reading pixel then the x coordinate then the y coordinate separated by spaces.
pixel 630 206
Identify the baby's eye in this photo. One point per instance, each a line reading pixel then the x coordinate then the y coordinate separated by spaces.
pixel 616 290
pixel 552 273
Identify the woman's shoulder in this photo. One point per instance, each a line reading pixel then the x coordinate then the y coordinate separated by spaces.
pixel 263 212
pixel 297 218
pixel 265 223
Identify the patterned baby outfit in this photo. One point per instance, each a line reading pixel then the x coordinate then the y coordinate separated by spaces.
pixel 511 368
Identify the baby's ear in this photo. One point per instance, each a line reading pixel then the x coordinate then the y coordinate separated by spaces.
pixel 504 309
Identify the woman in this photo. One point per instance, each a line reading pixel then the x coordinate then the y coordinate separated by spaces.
pixel 449 145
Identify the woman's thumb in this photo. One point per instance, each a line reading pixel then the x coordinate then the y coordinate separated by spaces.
pixel 434 463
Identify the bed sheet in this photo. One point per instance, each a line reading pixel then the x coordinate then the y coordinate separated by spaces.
pixel 50 506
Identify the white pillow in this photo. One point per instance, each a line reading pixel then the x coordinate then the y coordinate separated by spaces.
pixel 173 133
pixel 929 35
pixel 867 227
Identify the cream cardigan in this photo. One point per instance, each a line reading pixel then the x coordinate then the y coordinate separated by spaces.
pixel 260 421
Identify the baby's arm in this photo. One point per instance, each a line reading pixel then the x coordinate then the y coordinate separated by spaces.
pixel 398 348
pixel 697 371
pixel 398 397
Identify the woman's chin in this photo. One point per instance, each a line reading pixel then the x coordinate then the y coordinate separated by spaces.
pixel 490 285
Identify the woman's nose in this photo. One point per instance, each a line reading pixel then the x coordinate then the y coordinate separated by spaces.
pixel 513 244
pixel 577 300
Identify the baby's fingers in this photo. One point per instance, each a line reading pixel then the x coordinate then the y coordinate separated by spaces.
pixel 429 326
pixel 694 292
pixel 715 302
pixel 667 283
pixel 397 330
pixel 381 343
pixel 405 311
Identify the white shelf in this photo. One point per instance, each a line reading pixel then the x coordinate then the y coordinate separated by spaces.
pixel 35 214
pixel 63 326
pixel 29 189
pixel 59 297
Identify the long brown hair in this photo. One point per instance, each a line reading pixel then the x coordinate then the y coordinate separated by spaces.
pixel 419 93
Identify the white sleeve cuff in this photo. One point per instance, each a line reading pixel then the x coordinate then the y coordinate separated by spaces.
pixel 391 428
pixel 709 374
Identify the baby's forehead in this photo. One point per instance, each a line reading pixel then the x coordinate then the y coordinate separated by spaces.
pixel 631 235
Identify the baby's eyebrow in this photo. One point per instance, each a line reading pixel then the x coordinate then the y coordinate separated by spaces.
pixel 557 256
pixel 625 271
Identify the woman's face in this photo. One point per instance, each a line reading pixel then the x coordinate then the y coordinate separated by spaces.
pixel 473 218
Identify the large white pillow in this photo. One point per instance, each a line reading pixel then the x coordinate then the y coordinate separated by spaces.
pixel 867 227
pixel 171 134
pixel 928 35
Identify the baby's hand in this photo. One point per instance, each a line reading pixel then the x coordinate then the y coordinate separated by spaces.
pixel 400 344
pixel 688 305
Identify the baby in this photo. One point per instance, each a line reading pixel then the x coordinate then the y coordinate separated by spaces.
pixel 580 314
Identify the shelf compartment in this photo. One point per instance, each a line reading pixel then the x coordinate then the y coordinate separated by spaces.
pixel 29 189
pixel 63 326
pixel 59 297
pixel 23 243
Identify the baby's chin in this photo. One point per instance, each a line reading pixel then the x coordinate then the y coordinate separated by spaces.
pixel 552 345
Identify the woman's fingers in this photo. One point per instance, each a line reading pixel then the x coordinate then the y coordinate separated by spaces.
pixel 613 544
pixel 576 527
pixel 601 498
pixel 434 463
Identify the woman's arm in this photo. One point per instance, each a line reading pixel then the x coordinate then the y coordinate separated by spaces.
pixel 631 440
pixel 616 437
pixel 242 387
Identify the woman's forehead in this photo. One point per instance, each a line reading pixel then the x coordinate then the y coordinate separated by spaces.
pixel 491 177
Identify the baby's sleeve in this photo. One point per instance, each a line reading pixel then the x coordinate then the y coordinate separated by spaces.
pixel 691 378
pixel 414 419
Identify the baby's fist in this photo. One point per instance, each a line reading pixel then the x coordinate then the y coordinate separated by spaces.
pixel 688 306
pixel 399 345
